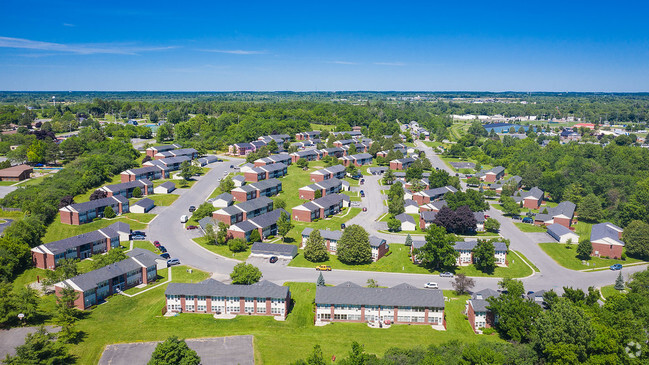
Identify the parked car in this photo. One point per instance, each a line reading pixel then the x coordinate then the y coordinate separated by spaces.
pixel 192 227
pixel 528 220
pixel 518 217
pixel 530 292
pixel 446 274
pixel 323 268
pixel 184 219
pixel 365 209
pixel 156 244
pixel 616 267
pixel 173 262
pixel 162 249
pixel 431 285
pixel 165 256
pixel 139 233
pixel 362 181
pixel 273 259
pixel 137 237
pixel 362 194
pixel 192 209
pixel 487 216
pixel 231 166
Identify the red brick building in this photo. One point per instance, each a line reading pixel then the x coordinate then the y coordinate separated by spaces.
pixel 606 239
pixel 81 213
pixel 319 208
pixel 326 187
pixel 476 310
pixel 243 211
pixel 401 163
pixel 337 172
pixel 210 296
pixel 126 189
pixel 531 199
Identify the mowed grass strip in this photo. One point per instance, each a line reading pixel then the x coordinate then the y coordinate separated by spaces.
pixel 567 257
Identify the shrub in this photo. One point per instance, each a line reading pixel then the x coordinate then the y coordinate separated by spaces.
pixel 237 245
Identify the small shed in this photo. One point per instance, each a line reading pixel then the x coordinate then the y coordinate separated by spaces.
pixel 411 206
pixel 207 160
pixel 142 206
pixel 407 222
pixel 267 250
pixel 239 181
pixel 222 200
pixel 562 234
pixel 165 188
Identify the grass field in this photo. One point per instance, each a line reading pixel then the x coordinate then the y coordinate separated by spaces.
pixel 124 319
pixel 567 257
pixel 399 261
pixel 609 290
pixel 11 214
pixel 322 127
pixel 333 223
pixel 295 179
pixel 223 250
pixel 58 231
pixel 163 199
pixel 527 227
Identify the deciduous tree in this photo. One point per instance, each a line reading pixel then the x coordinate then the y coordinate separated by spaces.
pixel 484 255
pixel 174 351
pixel 354 246
pixel 584 249
pixel 462 284
pixel 438 251
pixel 636 238
pixel 315 249
pixel 245 274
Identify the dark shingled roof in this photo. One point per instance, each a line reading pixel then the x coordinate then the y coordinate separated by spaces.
pixel 76 241
pixel 211 287
pixel 400 295
pixel 98 203
pixel 326 234
pixel 90 279
pixel 479 299
pixel 278 249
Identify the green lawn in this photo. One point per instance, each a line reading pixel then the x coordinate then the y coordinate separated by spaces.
pixel 294 180
pixel 530 263
pixel 28 276
pixel 527 227
pixel 567 257
pixel 333 223
pixel 7 183
pixel 163 275
pixel 58 231
pixel 609 290
pixel 583 229
pixel 180 183
pixel 147 245
pixel 322 127
pixel 11 214
pixel 163 199
pixel 222 250
pixel 124 319
pixel 399 261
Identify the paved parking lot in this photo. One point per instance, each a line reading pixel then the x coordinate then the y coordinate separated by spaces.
pixel 12 338
pixel 216 350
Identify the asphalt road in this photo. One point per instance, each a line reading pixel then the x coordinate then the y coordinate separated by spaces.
pixel 167 229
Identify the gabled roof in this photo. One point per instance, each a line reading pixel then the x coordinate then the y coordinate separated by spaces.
pixel 325 184
pixel 479 299
pixel 120 227
pixel 247 206
pixel 405 160
pixel 274 249
pixel 225 196
pixel 145 203
pixel 206 221
pixel 400 295
pixel 534 193
pixel 558 229
pixel 61 246
pixel 167 185
pixel 479 217
pixel 409 202
pixel 376 241
pixel 403 217
pixel 142 170
pixel 211 287
pixel 324 233
pixel 94 204
pixel 608 231
pixel 438 191
pixel 428 216
pixel 90 279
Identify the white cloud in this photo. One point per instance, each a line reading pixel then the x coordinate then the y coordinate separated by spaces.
pixel 389 63
pixel 234 51
pixel 82 49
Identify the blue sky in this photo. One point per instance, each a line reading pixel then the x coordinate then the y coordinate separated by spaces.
pixel 300 46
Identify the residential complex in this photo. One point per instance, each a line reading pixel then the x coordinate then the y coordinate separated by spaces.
pixel 80 213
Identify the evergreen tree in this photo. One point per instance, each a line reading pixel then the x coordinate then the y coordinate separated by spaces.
pixel 255 236
pixel 321 280
pixel 354 246
pixel 388 177
pixel 315 249
pixel 40 348
pixel 619 282
pixel 66 314
pixel 584 249
pixel 109 212
pixel 408 240
pixel 137 192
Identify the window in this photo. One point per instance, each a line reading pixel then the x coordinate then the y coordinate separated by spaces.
pixel 201 308
pixel 342 317
pixel 217 308
pixel 249 309
pixel 324 315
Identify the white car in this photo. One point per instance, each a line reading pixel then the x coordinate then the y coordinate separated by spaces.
pixel 431 286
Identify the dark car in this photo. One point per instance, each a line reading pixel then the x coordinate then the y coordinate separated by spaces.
pixel 365 209
pixel 165 256
pixel 515 216
pixel 362 194
pixel 192 227
pixel 273 259
pixel 192 209
pixel 616 267
pixel 173 262
pixel 528 220
pixel 342 225
pixel 162 249
pixel 231 166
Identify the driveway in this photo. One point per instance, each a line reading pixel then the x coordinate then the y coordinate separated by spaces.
pixel 7 222
pixel 218 350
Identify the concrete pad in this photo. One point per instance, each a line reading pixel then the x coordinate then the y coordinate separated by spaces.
pixel 216 350
pixel 4 190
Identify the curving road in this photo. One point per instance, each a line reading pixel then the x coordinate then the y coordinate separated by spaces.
pixel 167 229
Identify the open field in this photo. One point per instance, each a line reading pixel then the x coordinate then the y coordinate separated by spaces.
pixel 333 223
pixel 58 231
pixel 567 257
pixel 163 199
